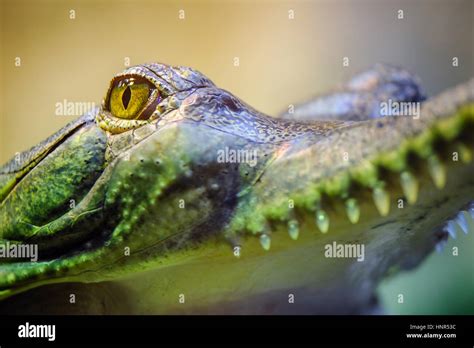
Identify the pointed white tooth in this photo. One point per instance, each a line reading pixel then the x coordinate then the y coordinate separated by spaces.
pixel 265 241
pixel 470 220
pixel 440 246
pixel 471 212
pixel 451 229
pixel 464 153
pixel 322 221
pixel 409 186
pixel 461 219
pixel 437 171
pixel 352 210
pixel 381 200
pixel 293 229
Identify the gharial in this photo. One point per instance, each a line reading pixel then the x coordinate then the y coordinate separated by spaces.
pixel 137 195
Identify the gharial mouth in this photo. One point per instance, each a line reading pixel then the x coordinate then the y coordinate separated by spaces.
pixel 447 141
pixel 463 222
pixel 401 199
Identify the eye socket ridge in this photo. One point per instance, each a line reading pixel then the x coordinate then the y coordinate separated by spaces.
pixel 132 97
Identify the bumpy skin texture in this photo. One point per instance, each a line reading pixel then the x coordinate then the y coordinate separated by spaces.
pixel 153 193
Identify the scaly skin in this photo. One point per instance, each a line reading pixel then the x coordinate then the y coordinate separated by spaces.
pixel 107 198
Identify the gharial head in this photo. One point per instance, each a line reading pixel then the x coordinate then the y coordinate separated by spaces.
pixel 175 174
pixel 148 170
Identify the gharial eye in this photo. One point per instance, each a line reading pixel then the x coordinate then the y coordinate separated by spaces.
pixel 133 98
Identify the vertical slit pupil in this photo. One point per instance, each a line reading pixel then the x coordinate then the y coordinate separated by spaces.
pixel 126 95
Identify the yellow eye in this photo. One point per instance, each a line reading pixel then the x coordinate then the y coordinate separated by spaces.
pixel 128 98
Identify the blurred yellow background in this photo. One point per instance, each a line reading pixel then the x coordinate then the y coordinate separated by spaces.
pixel 282 60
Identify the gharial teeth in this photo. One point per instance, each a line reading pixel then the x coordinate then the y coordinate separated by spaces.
pixel 265 241
pixel 451 228
pixel 469 217
pixel 409 186
pixel 322 220
pixel 471 211
pixel 461 220
pixel 352 210
pixel 437 171
pixel 293 229
pixel 381 200
pixel 440 245
pixel 465 153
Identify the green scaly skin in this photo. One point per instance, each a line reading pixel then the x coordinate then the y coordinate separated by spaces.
pixel 148 203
